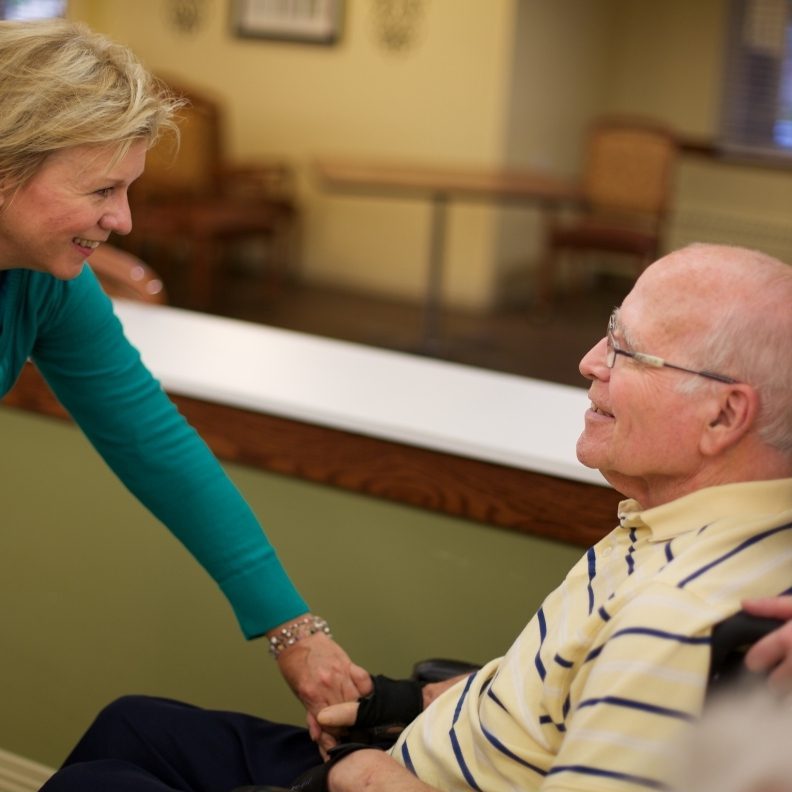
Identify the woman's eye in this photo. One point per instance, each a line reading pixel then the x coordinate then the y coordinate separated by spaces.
pixel 104 192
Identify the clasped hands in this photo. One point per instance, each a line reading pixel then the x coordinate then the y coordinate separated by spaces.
pixel 372 722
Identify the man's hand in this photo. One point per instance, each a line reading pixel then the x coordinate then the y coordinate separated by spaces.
pixel 336 720
pixel 320 673
pixel 774 651
pixel 344 716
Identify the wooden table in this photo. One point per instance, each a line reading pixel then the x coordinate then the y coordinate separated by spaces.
pixel 440 186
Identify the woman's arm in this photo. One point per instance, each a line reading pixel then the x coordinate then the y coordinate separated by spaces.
pixel 100 379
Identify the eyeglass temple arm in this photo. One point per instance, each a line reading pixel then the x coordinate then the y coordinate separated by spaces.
pixel 657 362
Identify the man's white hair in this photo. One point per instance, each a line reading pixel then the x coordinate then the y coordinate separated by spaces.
pixel 751 338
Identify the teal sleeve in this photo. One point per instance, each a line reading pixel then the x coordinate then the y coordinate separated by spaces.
pixel 99 378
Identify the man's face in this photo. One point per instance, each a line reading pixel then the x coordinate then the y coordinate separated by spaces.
pixel 76 199
pixel 641 431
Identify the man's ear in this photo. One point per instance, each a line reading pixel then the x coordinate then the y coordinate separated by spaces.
pixel 732 416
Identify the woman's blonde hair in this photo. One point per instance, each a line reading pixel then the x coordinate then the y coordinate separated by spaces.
pixel 62 85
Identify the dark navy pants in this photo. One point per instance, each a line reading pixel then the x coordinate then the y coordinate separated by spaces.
pixel 152 744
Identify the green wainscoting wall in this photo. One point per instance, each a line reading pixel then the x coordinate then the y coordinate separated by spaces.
pixel 98 600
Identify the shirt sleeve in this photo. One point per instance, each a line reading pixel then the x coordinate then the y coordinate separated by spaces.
pixel 636 694
pixel 100 379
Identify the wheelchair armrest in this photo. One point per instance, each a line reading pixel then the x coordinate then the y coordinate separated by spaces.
pixel 731 639
pixel 260 788
pixel 438 669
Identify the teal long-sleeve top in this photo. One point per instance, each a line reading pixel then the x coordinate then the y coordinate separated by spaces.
pixel 69 330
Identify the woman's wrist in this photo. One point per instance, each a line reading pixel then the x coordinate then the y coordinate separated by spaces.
pixel 290 633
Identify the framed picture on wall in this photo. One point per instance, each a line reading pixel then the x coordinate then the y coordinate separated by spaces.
pixel 32 9
pixel 309 21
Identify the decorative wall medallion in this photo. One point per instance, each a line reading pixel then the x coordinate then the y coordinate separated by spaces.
pixel 397 23
pixel 186 16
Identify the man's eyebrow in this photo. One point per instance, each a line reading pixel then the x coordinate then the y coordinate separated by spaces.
pixel 619 328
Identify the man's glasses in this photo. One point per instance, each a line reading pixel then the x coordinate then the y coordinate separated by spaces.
pixel 651 360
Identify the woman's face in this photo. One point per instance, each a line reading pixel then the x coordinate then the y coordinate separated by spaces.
pixel 76 199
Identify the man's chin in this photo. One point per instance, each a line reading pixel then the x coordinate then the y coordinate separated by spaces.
pixel 586 455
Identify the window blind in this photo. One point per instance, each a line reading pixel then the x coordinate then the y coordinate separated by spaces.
pixel 757 99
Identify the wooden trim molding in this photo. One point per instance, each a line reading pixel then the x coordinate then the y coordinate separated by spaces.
pixel 497 495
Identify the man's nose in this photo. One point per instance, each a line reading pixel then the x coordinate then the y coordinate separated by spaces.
pixel 593 364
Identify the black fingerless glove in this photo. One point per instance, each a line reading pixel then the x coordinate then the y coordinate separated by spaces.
pixel 384 713
pixel 315 779
pixel 391 701
pixel 380 719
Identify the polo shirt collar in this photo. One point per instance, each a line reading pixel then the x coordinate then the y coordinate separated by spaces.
pixel 694 511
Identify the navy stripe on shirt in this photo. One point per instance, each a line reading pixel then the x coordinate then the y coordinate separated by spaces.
pixel 461 761
pixel 733 552
pixel 653 709
pixel 455 742
pixel 407 759
pixel 650 631
pixel 544 720
pixel 498 745
pixel 496 700
pixel 562 662
pixel 540 617
pixel 649 783
pixel 629 557
pixel 592 573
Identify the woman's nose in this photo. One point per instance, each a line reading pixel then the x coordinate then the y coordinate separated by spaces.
pixel 118 219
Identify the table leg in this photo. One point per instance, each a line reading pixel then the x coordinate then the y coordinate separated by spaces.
pixel 430 339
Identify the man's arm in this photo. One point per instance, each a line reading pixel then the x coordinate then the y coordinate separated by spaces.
pixel 372 771
pixel 641 687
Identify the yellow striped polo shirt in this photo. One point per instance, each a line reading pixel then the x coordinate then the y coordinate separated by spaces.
pixel 613 666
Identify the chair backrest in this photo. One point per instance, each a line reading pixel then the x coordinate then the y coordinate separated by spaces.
pixel 192 169
pixel 123 275
pixel 731 639
pixel 628 166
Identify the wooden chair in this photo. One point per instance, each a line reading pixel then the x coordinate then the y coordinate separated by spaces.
pixel 191 205
pixel 123 275
pixel 626 185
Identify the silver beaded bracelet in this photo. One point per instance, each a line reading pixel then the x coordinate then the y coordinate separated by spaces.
pixel 302 628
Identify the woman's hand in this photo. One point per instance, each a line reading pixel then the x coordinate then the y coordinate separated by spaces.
pixel 321 673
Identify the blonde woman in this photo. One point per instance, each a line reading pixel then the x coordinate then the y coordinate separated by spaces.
pixel 78 116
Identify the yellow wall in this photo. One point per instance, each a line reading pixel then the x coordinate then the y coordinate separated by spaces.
pixel 558 79
pixel 442 101
pixel 489 82
pixel 669 60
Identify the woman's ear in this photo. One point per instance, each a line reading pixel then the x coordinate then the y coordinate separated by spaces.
pixel 732 416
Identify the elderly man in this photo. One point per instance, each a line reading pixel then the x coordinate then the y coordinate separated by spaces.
pixel 690 419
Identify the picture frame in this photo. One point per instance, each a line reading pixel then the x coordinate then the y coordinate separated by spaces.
pixel 306 21
pixel 32 9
